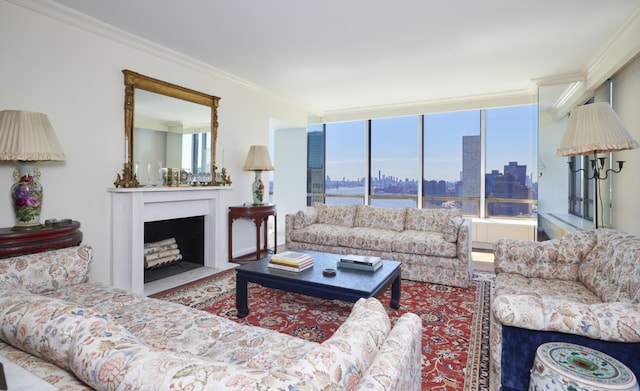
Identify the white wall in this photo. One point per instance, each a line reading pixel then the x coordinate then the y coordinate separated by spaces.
pixel 74 76
pixel 554 181
pixel 625 185
pixel 290 176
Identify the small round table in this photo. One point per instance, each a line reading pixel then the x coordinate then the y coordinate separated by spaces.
pixel 566 366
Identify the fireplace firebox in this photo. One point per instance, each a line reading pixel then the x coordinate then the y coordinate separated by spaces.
pixel 186 251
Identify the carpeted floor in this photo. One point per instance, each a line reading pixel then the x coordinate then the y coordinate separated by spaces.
pixel 455 343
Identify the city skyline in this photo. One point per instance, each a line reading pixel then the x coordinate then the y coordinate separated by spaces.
pixel 345 153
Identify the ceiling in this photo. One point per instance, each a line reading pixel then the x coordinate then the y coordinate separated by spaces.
pixel 335 55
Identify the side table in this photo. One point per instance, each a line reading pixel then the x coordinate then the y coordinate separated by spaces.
pixel 260 216
pixel 14 243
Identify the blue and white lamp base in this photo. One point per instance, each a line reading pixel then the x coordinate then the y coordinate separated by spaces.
pixel 570 367
pixel 257 189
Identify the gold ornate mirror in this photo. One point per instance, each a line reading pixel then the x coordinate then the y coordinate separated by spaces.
pixel 169 130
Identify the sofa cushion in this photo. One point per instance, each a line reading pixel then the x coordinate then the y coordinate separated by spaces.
pixel 42 327
pixel 450 231
pixel 305 217
pixel 105 355
pixel 612 269
pixel 58 378
pixel 380 218
pixel 343 215
pixel 517 284
pixel 47 270
pixel 298 220
pixel 423 243
pixel 342 360
pixel 434 220
pixel 368 238
pixel 574 247
pixel 564 306
pixel 323 234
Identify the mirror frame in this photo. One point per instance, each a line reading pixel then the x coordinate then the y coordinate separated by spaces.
pixel 133 80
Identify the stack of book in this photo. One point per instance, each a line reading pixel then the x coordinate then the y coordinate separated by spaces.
pixel 291 261
pixel 360 262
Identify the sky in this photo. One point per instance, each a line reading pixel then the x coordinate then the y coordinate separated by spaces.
pixel 511 136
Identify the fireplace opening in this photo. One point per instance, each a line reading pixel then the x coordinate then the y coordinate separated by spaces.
pixel 173 247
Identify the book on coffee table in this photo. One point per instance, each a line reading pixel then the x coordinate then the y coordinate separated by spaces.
pixel 359 266
pixel 291 258
pixel 368 260
pixel 295 269
pixel 291 261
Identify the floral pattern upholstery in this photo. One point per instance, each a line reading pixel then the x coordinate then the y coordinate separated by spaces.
pixel 90 336
pixel 380 218
pixel 586 283
pixel 47 270
pixel 434 245
pixel 336 215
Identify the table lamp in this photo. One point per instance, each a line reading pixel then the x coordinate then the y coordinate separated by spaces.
pixel 27 137
pixel 258 160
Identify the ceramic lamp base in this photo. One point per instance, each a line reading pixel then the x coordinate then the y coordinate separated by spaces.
pixel 26 196
pixel 257 189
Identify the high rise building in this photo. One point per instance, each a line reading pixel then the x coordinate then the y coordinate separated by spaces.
pixel 470 172
pixel 315 165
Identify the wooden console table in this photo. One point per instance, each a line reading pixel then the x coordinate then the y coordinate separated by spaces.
pixel 260 216
pixel 14 243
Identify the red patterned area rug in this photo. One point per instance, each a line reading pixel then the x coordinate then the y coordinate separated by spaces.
pixel 455 341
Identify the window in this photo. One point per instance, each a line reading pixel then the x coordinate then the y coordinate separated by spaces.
pixel 581 189
pixel 196 148
pixel 452 163
pixel 511 158
pixel 394 161
pixel 345 168
pixel 379 162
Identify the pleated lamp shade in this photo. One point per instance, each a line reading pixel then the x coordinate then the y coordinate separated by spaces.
pixel 28 136
pixel 592 129
pixel 258 159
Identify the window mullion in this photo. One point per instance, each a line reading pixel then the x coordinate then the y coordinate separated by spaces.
pixel 483 148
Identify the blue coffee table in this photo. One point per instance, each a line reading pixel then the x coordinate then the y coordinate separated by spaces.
pixel 348 284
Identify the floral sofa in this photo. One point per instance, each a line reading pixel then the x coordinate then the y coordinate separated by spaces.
pixel 78 336
pixel 434 245
pixel 583 288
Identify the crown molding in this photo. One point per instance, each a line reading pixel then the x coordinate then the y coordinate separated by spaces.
pixel 471 102
pixel 560 79
pixel 622 48
pixel 616 53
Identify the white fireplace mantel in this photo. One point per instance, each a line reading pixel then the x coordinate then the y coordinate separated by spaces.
pixel 132 207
